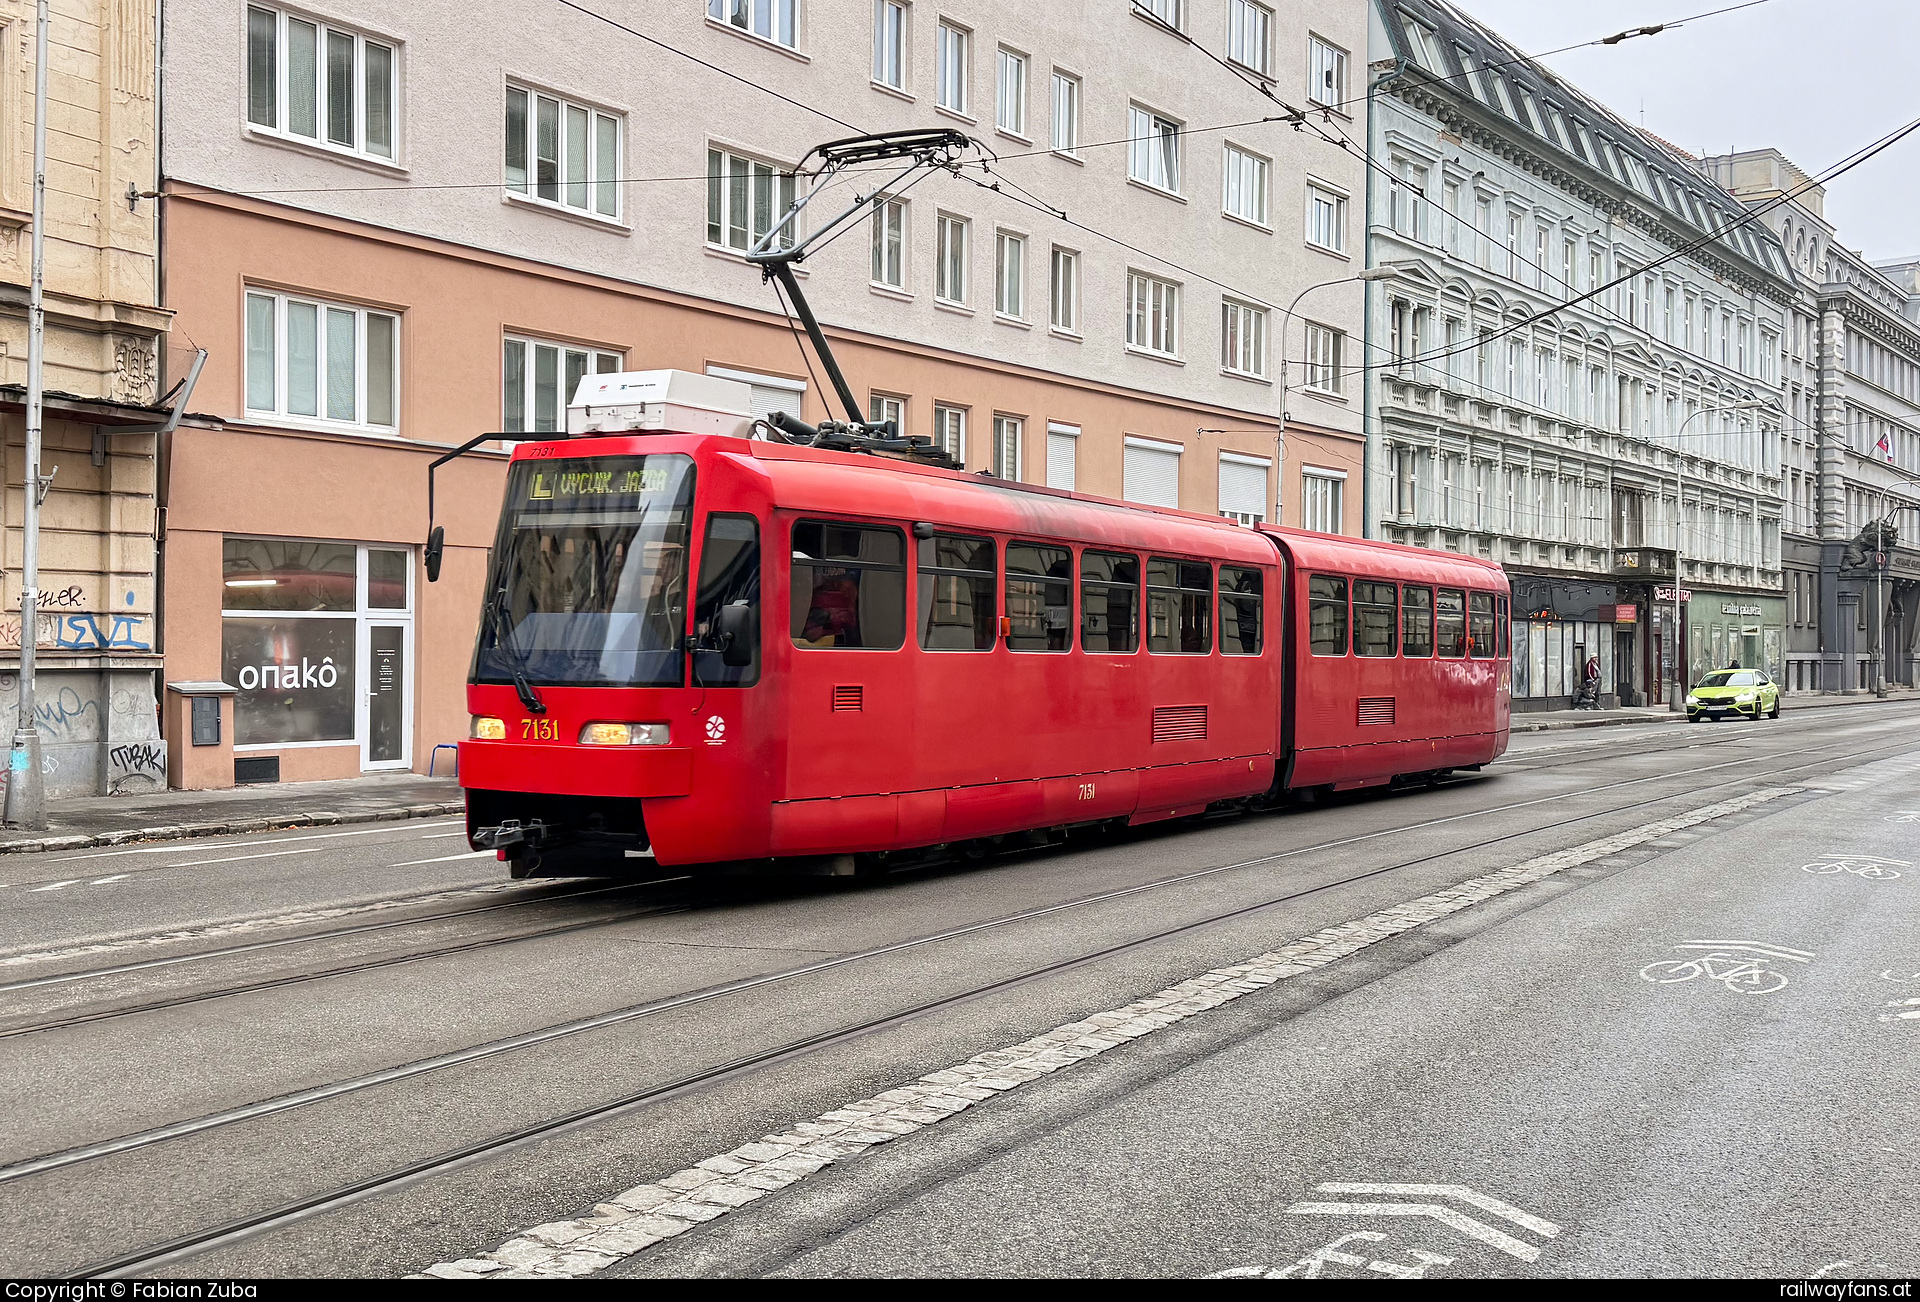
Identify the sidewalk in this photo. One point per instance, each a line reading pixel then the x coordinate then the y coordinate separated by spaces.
pixel 1557 720
pixel 80 821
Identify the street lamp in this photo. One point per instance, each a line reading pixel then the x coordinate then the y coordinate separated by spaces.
pixel 1371 273
pixel 1676 698
pixel 1880 592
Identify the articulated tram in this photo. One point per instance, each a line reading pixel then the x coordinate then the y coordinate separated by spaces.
pixel 704 648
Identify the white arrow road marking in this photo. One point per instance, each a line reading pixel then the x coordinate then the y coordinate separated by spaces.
pixel 1758 947
pixel 1445 1215
pixel 1458 1192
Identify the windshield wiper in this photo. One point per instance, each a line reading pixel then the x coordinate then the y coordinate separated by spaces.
pixel 503 639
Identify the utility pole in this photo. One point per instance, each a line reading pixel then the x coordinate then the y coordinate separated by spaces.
pixel 26 802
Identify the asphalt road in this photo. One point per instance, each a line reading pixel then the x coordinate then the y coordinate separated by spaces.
pixel 322 1043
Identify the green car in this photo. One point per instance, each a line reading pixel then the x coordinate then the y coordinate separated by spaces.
pixel 1747 692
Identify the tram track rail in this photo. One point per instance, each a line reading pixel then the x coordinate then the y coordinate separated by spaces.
pixel 246 1226
pixel 468 946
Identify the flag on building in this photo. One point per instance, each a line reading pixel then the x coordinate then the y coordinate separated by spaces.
pixel 1883 446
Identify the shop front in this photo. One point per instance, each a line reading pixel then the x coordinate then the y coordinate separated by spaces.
pixel 1560 627
pixel 1741 629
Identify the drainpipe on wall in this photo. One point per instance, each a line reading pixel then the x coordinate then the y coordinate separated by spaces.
pixel 1367 423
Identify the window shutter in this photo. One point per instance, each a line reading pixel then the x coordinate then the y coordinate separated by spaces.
pixel 1151 475
pixel 1243 489
pixel 1060 453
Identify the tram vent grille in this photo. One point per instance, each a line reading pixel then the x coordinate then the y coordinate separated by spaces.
pixel 1180 723
pixel 848 698
pixel 1376 709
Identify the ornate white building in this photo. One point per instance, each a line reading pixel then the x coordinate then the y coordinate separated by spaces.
pixel 1577 308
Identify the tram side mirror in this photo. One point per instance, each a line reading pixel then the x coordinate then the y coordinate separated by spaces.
pixel 436 546
pixel 735 627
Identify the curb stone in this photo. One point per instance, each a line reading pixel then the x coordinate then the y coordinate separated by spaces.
pixel 182 831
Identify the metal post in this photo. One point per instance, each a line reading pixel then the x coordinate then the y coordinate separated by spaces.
pixel 26 800
pixel 1879 603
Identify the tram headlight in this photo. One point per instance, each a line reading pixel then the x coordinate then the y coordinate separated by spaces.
pixel 624 734
pixel 488 729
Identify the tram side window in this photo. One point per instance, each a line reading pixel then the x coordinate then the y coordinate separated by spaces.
pixel 1503 628
pixel 849 586
pixel 1179 606
pixel 1450 621
pixel 1416 622
pixel 1327 614
pixel 1480 640
pixel 729 576
pixel 1375 619
pixel 1039 597
pixel 956 593
pixel 1109 602
pixel 1240 611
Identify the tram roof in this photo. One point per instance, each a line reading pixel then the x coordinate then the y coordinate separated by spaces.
pixel 1371 556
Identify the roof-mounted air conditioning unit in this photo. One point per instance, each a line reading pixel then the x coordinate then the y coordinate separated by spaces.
pixel 659 402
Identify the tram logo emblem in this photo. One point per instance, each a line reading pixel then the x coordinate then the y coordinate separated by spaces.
pixel 716 730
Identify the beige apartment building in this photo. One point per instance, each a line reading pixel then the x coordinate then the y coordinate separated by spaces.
pixel 98 686
pixel 396 228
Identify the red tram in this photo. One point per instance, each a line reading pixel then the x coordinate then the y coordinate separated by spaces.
pixel 700 648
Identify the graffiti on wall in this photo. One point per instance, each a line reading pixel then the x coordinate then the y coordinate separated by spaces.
pixel 135 767
pixel 83 631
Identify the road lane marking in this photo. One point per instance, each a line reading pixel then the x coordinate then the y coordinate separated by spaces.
pixel 633 1221
pixel 194 843
pixel 1913 1016
pixel 445 858
pixel 102 881
pixel 1445 1215
pixel 1760 947
pixel 1457 1192
pixel 54 886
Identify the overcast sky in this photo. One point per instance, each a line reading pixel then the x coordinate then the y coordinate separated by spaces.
pixel 1815 79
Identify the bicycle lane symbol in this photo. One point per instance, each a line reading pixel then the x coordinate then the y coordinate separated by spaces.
pixel 1748 971
pixel 1866 866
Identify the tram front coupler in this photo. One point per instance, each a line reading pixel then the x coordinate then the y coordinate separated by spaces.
pixel 513 836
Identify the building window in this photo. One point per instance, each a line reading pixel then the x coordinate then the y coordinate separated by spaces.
pixel 1248 25
pixel 321 84
pixel 1243 338
pixel 1320 494
pixel 887 406
pixel 294 617
pixel 1010 99
pixel 1009 279
pixel 1064 276
pixel 564 154
pixel 1326 220
pixel 1326 73
pixel 950 56
pixel 1153 314
pixel 1007 431
pixel 950 260
pixel 1153 153
pixel 1243 488
pixel 1170 12
pixel 950 432
pixel 769 19
pixel 1246 186
pixel 1150 472
pixel 890 243
pixel 1062 441
pixel 1324 348
pixel 1066 113
pixel 322 361
pixel 889 43
pixel 538 379
pixel 745 198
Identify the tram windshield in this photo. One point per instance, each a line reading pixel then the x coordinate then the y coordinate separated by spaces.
pixel 588 584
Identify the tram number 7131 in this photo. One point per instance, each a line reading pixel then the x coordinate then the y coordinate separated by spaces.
pixel 1086 791
pixel 539 730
